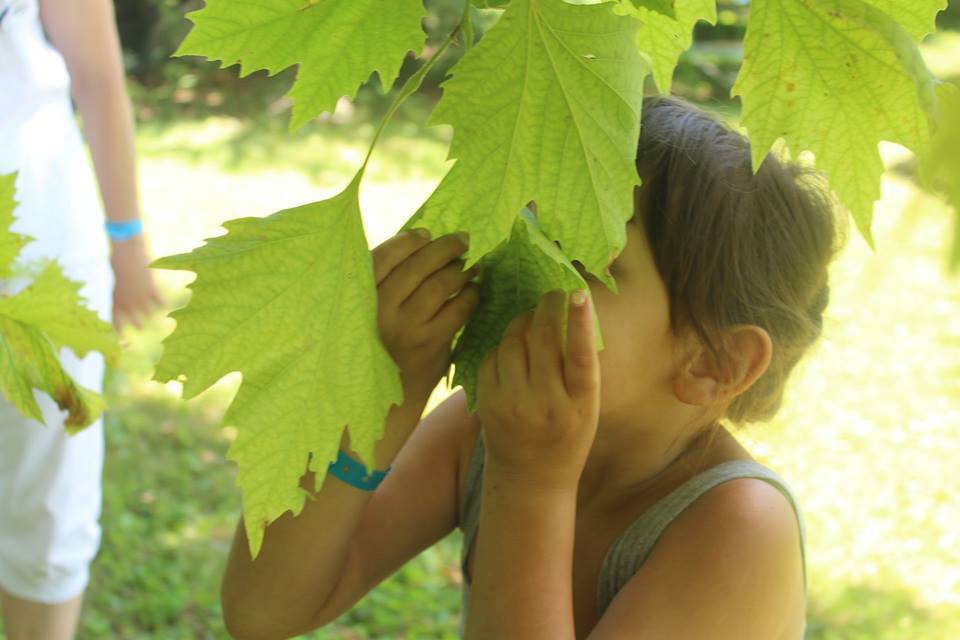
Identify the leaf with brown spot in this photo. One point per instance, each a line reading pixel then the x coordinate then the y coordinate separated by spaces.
pixel 887 93
pixel 35 323
pixel 28 361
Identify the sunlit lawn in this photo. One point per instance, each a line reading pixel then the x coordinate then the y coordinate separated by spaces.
pixel 866 438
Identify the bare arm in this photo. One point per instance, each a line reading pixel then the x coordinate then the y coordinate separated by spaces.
pixel 302 559
pixel 85 33
pixel 522 584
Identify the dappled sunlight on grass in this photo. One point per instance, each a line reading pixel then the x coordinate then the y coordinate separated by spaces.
pixel 188 197
pixel 168 517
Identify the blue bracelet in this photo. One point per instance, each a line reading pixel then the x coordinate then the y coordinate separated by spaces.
pixel 354 473
pixel 123 230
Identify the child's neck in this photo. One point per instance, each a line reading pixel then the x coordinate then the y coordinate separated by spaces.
pixel 627 463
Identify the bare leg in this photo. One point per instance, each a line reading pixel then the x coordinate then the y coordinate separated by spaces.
pixel 29 620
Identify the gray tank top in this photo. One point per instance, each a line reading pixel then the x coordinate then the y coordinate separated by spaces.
pixel 633 546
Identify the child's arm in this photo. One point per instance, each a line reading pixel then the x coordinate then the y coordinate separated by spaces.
pixel 538 397
pixel 313 567
pixel 85 34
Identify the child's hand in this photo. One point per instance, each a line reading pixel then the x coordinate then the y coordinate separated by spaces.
pixel 135 294
pixel 415 277
pixel 539 420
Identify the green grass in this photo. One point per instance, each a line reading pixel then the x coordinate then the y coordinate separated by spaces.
pixel 866 437
pixel 170 509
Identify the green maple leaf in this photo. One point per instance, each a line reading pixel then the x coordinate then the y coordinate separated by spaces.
pixel 662 37
pixel 337 43
pixel 515 276
pixel 290 302
pixel 834 77
pixel 35 322
pixel 52 302
pixel 10 243
pixel 545 107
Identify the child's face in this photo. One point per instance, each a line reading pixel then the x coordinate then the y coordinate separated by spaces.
pixel 638 361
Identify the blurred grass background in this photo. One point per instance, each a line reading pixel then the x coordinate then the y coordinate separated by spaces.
pixel 866 437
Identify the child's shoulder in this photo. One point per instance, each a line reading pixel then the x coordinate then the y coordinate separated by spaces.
pixel 731 495
pixel 740 527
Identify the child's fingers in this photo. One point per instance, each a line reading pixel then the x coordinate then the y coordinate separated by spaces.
pixel 581 365
pixel 390 253
pixel 410 274
pixel 544 342
pixel 455 312
pixel 424 303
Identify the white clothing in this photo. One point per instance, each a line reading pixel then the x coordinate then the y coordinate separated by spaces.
pixel 49 481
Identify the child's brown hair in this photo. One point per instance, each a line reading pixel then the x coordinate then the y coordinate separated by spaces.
pixel 733 247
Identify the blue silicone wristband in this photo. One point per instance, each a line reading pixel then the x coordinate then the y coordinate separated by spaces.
pixel 354 473
pixel 123 230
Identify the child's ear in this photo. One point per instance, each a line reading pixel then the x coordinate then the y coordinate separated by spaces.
pixel 703 380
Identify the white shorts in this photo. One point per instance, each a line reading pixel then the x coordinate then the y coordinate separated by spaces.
pixel 49 481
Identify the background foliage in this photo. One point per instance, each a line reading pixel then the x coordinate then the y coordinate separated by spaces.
pixel 866 437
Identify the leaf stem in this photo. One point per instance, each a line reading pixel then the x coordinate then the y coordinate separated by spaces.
pixel 467 26
pixel 414 81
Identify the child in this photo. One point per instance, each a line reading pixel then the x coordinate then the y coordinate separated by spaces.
pixel 613 501
pixel 50 490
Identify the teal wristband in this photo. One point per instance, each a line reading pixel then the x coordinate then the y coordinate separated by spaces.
pixel 123 230
pixel 354 473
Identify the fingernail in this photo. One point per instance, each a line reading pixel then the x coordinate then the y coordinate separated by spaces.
pixel 579 297
pixel 423 233
pixel 463 235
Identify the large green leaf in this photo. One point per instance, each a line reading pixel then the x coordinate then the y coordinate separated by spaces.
pixel 290 302
pixel 545 107
pixel 515 276
pixel 337 43
pixel 834 77
pixel 46 314
pixel 662 37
